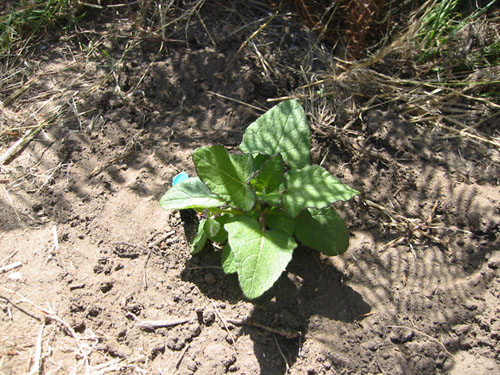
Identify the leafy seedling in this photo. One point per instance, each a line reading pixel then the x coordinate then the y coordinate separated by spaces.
pixel 258 204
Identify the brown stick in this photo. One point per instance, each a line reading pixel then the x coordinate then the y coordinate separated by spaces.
pixel 153 324
pixel 278 331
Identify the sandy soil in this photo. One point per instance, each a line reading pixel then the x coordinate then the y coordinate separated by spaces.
pixel 95 256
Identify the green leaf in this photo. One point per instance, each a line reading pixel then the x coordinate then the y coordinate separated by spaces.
pixel 274 199
pixel 190 193
pixel 228 262
pixel 214 229
pixel 281 130
pixel 313 186
pixel 200 239
pixel 280 220
pixel 270 176
pixel 322 230
pixel 259 159
pixel 226 175
pixel 260 257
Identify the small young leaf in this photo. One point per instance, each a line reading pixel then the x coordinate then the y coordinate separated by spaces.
pixel 281 130
pixel 280 220
pixel 200 239
pixel 214 230
pixel 270 176
pixel 228 262
pixel 260 257
pixel 322 230
pixel 313 186
pixel 212 227
pixel 190 193
pixel 226 175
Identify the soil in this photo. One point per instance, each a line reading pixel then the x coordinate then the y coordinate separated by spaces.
pixel 416 293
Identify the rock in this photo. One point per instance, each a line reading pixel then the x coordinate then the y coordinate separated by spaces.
pixel 94 311
pixel 208 317
pixel 494 264
pixel 157 348
pixel 106 286
pixel 228 362
pixel 401 336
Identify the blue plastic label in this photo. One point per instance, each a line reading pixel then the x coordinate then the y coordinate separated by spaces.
pixel 179 178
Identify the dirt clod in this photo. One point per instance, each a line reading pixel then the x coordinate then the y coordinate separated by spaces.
pixel 106 286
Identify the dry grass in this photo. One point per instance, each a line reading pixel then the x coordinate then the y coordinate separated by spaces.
pixel 338 95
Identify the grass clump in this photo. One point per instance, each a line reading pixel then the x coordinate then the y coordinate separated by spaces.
pixel 30 18
pixel 459 36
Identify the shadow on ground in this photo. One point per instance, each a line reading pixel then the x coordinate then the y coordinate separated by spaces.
pixel 309 291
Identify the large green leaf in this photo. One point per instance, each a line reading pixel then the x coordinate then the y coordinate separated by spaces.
pixel 281 130
pixel 260 256
pixel 270 175
pixel 313 186
pixel 190 193
pixel 322 230
pixel 278 219
pixel 228 262
pixel 226 175
pixel 274 199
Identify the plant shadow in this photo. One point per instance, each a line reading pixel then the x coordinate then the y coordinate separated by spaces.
pixel 309 291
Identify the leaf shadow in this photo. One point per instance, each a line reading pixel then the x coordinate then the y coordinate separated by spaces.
pixel 308 292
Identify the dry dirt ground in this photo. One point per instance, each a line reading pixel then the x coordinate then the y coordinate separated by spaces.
pixel 117 114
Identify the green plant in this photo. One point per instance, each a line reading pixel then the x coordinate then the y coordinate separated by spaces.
pixel 31 18
pixel 260 202
pixel 445 30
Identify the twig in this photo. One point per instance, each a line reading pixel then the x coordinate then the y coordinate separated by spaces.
pixel 9 267
pixel 52 316
pixel 426 335
pixel 56 240
pixel 181 356
pixel 206 30
pixel 21 309
pixel 9 256
pixel 278 331
pixel 237 101
pixel 287 367
pixel 144 273
pixel 26 138
pixel 12 204
pixel 233 341
pixel 37 363
pixel 47 181
pixel 12 149
pixel 153 324
pixel 161 239
pixel 254 34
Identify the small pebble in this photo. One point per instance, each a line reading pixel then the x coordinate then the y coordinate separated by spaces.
pixel 106 286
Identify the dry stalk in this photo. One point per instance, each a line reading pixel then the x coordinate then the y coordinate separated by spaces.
pixel 84 349
pixel 254 34
pixel 154 324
